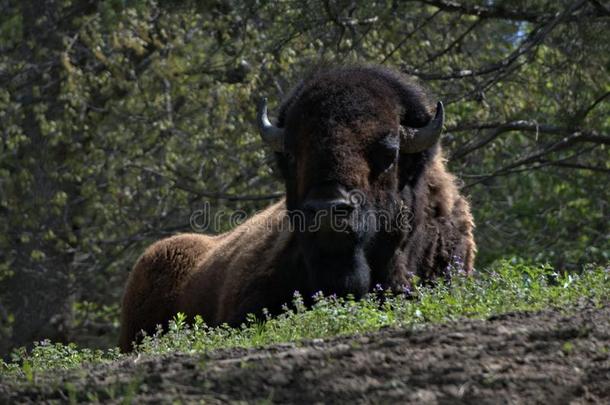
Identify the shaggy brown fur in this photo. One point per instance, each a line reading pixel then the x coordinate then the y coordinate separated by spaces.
pixel 216 277
pixel 339 123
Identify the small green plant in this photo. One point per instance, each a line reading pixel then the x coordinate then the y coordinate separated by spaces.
pixel 72 394
pixel 510 285
pixel 567 347
pixel 46 355
pixel 507 286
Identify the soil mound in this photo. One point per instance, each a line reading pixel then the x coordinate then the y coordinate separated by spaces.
pixel 544 357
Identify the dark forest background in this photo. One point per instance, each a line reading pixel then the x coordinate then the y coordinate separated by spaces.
pixel 119 119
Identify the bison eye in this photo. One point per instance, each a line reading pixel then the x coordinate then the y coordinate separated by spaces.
pixel 384 153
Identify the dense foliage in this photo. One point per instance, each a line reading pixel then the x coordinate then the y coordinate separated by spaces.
pixel 119 119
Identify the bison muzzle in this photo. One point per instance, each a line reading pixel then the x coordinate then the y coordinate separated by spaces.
pixel 368 203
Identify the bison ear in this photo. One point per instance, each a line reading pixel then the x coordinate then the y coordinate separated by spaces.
pixel 414 140
pixel 272 135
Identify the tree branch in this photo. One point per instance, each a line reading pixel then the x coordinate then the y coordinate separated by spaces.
pixel 409 35
pixel 583 114
pixel 536 37
pixel 452 44
pixel 498 129
pixel 576 166
pixel 564 143
pixel 500 12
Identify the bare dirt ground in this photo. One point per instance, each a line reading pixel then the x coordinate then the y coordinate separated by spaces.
pixel 546 357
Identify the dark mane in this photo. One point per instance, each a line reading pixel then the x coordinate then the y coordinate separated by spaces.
pixel 398 85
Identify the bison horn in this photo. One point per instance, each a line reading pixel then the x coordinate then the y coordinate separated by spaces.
pixel 413 140
pixel 271 134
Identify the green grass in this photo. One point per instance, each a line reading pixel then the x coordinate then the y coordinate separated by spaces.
pixel 506 286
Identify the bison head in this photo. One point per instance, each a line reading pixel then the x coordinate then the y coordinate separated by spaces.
pixel 351 143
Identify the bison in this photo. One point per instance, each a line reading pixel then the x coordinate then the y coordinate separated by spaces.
pixel 369 203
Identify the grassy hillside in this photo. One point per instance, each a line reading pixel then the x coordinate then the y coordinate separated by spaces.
pixel 505 287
